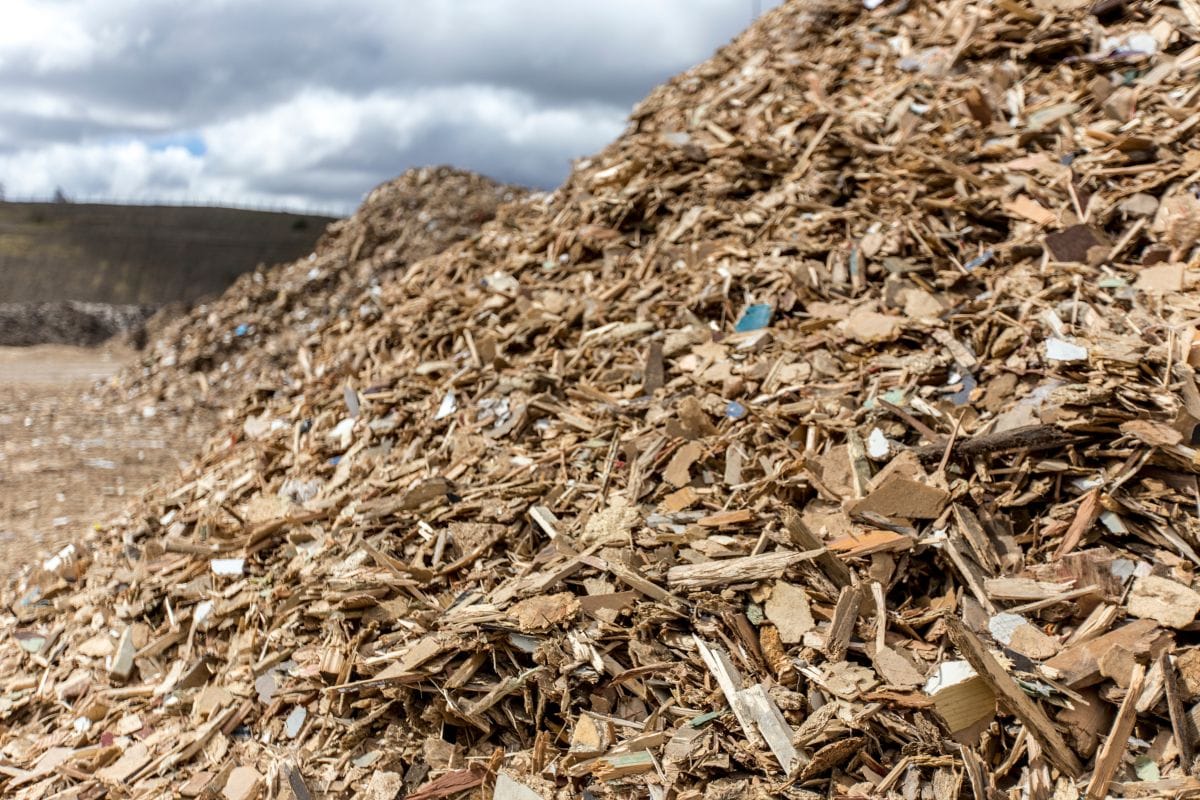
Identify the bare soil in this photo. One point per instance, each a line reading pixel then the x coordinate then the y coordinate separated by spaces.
pixel 69 461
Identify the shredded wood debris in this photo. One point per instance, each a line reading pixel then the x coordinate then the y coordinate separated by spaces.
pixel 830 434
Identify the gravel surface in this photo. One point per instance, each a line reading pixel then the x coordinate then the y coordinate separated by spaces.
pixel 69 461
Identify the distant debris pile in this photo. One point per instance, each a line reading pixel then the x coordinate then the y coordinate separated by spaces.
pixel 254 332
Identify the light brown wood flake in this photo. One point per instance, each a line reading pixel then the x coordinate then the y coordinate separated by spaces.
pixel 1114 748
pixel 902 498
pixel 841 627
pixel 544 612
pixel 1163 600
pixel 130 762
pixel 678 471
pixel 788 608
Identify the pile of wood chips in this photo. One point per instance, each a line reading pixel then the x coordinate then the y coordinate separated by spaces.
pixel 828 435
pixel 249 337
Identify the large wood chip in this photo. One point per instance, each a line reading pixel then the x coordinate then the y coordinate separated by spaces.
pixel 788 607
pixel 545 611
pixel 736 570
pixel 1164 601
pixel 1013 697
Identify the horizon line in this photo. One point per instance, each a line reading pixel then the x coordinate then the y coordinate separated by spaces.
pixel 331 211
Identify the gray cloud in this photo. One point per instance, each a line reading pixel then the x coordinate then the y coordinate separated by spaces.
pixel 313 102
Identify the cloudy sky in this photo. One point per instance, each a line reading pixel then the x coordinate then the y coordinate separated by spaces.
pixel 309 103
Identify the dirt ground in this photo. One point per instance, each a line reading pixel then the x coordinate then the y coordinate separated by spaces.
pixel 68 460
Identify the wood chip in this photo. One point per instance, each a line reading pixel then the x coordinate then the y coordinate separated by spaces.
pixel 1164 601
pixel 788 607
pixel 736 570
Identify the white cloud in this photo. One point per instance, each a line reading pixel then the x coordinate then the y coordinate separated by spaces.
pixel 128 170
pixel 308 102
pixel 299 136
pixel 317 125
pixel 55 106
pixel 44 37
pixel 295 134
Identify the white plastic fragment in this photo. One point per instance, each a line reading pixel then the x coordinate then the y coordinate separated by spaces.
pixel 1113 522
pixel 342 433
pixel 502 282
pixel 1122 568
pixel 226 567
pixel 1002 626
pixel 949 673
pixel 449 406
pixel 294 721
pixel 60 559
pixel 878 447
pixel 203 610
pixel 1062 350
pixel 1131 43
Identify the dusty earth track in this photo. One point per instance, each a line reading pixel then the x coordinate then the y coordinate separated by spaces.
pixel 69 461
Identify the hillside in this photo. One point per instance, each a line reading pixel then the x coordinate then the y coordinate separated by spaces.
pixel 139 255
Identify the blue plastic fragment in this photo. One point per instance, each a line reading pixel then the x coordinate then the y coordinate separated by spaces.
pixel 754 318
pixel 335 461
pixel 979 260
pixel 735 410
pixel 242 330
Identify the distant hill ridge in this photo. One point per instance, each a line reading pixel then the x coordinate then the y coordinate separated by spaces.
pixel 143 255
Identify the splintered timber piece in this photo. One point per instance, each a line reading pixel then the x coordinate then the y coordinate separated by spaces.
pixel 841 627
pixel 1113 750
pixel 1012 697
pixel 770 724
pixel 729 680
pixel 962 698
pixel 972 575
pixel 981 544
pixel 736 570
pixel 834 569
pixel 1034 437
pixel 1080 664
pixel 755 711
pixel 1178 713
